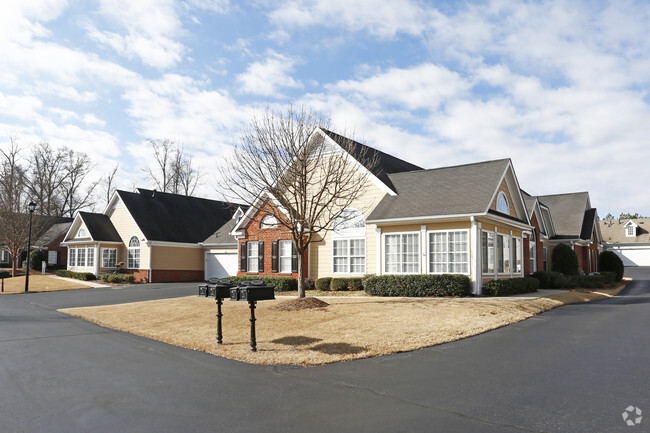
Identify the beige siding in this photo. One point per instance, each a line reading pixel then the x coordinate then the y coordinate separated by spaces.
pixel 126 227
pixel 504 188
pixel 320 258
pixel 177 258
pixel 76 233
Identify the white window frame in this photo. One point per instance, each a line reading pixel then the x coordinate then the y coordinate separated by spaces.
pixel 485 252
pixel 348 256
pixel 284 261
pixel 72 257
pixel 81 257
pixel 502 200
pixel 532 256
pixel 249 256
pixel 630 230
pixel 516 247
pixel 269 222
pixel 106 258
pixel 133 254
pixel 447 252
pixel 401 263
pixel 4 256
pixel 90 257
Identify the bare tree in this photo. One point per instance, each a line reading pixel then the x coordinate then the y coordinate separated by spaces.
pixel 109 183
pixel 173 171
pixel 287 157
pixel 74 196
pixel 45 178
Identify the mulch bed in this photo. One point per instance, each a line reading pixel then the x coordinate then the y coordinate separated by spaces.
pixel 299 304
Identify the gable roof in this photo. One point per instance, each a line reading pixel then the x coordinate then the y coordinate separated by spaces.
pixel 386 164
pixel 54 232
pixel 100 227
pixel 459 190
pixel 573 216
pixel 175 218
pixel 614 231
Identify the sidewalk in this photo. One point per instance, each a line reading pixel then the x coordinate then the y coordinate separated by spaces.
pixel 74 280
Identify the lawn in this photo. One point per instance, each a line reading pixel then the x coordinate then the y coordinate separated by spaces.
pixel 349 328
pixel 40 283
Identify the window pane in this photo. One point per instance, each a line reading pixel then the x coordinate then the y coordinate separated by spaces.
pixel 252 257
pixel 285 256
pixel 81 257
pixel 392 253
pixel 410 253
pixel 438 253
pixel 90 261
pixel 499 253
pixel 507 260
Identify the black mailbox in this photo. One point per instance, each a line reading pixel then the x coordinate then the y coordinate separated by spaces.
pixel 252 291
pixel 220 289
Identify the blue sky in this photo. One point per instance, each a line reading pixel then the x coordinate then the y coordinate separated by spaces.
pixel 561 87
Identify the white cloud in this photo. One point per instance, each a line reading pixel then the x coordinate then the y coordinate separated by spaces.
pixel 384 18
pixel 150 27
pixel 266 78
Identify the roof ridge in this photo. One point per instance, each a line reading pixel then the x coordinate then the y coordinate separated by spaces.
pixel 456 166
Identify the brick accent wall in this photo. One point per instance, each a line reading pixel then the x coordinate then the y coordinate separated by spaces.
pixel 168 276
pixel 254 232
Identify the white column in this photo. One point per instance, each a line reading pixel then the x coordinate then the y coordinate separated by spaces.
pixel 97 258
pixel 423 250
pixel 476 273
pixel 378 248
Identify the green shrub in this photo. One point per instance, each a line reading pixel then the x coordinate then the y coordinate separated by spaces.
pixel 608 261
pixel 119 278
pixel 512 286
pixel 323 283
pixel 564 260
pixel 418 285
pixel 36 259
pixel 586 282
pixel 85 276
pixel 610 277
pixel 346 284
pixel 310 284
pixel 280 284
pixel 550 279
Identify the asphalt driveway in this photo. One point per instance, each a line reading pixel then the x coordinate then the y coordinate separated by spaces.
pixel 575 368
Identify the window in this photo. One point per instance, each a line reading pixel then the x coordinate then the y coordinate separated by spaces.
pixel 4 256
pixel 503 254
pixel 72 257
pixel 82 233
pixel 533 253
pixel 515 252
pixel 545 259
pixel 285 256
pixel 402 253
pixel 349 220
pixel 449 252
pixel 253 257
pixel 502 203
pixel 269 222
pixel 109 257
pixel 90 257
pixel 133 257
pixel 349 256
pixel 81 257
pixel 631 232
pixel 487 246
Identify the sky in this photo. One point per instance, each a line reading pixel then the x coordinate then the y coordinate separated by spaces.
pixel 560 87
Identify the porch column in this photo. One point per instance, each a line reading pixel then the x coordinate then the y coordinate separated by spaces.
pixel 97 259
pixel 476 273
pixel 424 269
pixel 378 250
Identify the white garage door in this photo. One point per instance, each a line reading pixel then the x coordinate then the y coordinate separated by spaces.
pixel 220 265
pixel 634 256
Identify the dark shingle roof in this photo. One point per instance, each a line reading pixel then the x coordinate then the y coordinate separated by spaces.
pixel 529 201
pixel 100 227
pixel 588 224
pixel 568 212
pixel 386 164
pixel 176 218
pixel 53 232
pixel 459 190
pixel 222 236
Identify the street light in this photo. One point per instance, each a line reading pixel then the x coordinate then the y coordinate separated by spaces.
pixel 32 207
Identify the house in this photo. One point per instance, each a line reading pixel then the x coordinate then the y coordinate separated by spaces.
pixel 575 222
pixel 629 239
pixel 469 219
pixel 50 243
pixel 156 236
pixel 538 241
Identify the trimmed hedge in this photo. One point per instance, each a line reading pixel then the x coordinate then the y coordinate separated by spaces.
pixel 346 284
pixel 550 279
pixel 564 260
pixel 418 285
pixel 85 276
pixel 310 284
pixel 511 286
pixel 608 261
pixel 280 284
pixel 118 278
pixel 323 283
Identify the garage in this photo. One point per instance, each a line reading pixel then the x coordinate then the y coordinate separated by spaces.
pixel 220 264
pixel 633 255
pixel 629 239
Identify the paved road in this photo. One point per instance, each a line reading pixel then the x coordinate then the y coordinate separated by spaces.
pixel 572 369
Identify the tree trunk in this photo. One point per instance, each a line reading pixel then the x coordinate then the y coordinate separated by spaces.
pixel 301 274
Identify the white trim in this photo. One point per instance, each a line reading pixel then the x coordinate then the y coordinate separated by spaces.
pixel 419 261
pixel 378 250
pixel 172 244
pixel 422 218
pixel 349 257
pixel 502 195
pixel 476 263
pixel 428 251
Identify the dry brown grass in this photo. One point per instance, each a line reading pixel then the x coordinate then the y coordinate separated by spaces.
pixel 349 328
pixel 40 283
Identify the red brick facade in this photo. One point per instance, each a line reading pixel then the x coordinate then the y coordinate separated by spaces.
pixel 255 233
pixel 164 275
pixel 588 255
pixel 539 249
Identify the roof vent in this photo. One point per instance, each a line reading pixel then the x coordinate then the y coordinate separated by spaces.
pixel 153 193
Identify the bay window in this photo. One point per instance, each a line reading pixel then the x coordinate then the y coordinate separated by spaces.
pixel 402 253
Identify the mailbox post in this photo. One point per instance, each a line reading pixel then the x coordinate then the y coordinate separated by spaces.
pixel 252 291
pixel 3 275
pixel 218 289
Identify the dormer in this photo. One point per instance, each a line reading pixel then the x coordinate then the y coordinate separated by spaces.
pixel 630 229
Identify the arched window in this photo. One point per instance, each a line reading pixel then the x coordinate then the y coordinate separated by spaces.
pixel 502 203
pixel 349 243
pixel 349 219
pixel 82 233
pixel 133 259
pixel 269 222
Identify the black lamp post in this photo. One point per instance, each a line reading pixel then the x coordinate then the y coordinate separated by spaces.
pixel 32 207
